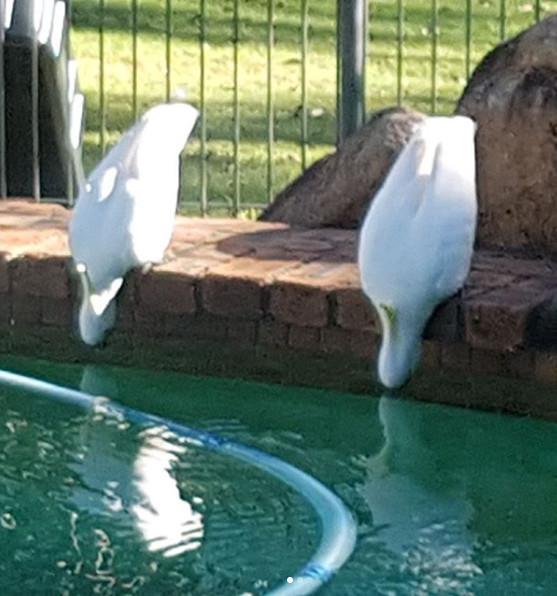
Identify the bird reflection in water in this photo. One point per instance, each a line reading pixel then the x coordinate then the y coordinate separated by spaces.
pixel 140 484
pixel 166 521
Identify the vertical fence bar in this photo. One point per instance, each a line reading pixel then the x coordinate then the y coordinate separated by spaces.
pixel 270 103
pixel 503 20
pixel 468 39
pixel 35 111
pixel 203 115
pixel 236 108
pixel 304 114
pixel 537 10
pixel 339 77
pixel 168 49
pixel 135 31
pixel 102 91
pixel 399 49
pixel 352 32
pixel 434 52
pixel 3 161
pixel 70 190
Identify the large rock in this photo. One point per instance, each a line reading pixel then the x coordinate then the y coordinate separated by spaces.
pixel 336 190
pixel 513 97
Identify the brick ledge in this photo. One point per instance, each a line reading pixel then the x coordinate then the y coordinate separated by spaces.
pixel 261 286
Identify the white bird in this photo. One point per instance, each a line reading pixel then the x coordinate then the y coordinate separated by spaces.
pixel 416 241
pixel 124 215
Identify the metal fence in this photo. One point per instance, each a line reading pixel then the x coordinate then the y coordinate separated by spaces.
pixel 264 75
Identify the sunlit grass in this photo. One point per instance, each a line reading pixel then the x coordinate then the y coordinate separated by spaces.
pixel 381 76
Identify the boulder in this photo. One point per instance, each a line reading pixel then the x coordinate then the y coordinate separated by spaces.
pixel 336 190
pixel 512 95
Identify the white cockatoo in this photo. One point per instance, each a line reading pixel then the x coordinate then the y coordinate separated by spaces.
pixel 416 241
pixel 124 215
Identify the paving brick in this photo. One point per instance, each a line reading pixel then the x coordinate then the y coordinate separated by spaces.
pixel 166 292
pixel 253 268
pixel 353 310
pixel 231 297
pixel 299 305
pixel 322 274
pixel 47 276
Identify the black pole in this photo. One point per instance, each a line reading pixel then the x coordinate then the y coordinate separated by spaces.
pixel 351 40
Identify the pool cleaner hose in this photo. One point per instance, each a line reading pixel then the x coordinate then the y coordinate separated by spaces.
pixel 338 536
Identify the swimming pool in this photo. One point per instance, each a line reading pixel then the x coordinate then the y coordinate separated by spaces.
pixel 447 501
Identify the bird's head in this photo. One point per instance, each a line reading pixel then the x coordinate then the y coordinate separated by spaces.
pixel 399 354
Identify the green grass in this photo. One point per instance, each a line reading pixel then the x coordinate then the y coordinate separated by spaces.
pixel 381 76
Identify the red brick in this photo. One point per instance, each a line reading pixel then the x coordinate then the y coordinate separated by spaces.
pixel 146 322
pixel 431 354
pixel 231 297
pixel 499 319
pixel 178 325
pixel 166 293
pixel 242 333
pixel 273 334
pixel 26 309
pixel 5 308
pixel 198 327
pixel 58 313
pixel 127 296
pixel 520 364
pixel 207 327
pixel 304 338
pixel 444 324
pixel 322 274
pixel 354 310
pixel 486 363
pixel 546 367
pixel 455 357
pixel 125 317
pixel 46 277
pixel 299 305
pixel 352 343
pixel 254 268
pixel 4 273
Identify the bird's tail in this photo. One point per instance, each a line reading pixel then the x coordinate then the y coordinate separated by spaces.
pixel 97 312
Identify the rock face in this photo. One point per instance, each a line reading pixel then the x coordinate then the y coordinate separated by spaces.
pixel 513 97
pixel 336 190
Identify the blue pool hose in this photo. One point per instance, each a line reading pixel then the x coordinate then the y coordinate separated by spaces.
pixel 338 537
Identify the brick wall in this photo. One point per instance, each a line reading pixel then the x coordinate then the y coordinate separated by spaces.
pixel 252 299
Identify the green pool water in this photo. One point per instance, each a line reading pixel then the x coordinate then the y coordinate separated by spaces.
pixel 447 501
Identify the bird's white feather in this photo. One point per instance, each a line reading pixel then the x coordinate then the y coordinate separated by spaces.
pixel 124 215
pixel 416 241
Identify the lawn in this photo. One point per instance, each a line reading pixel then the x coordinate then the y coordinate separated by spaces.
pixel 212 160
